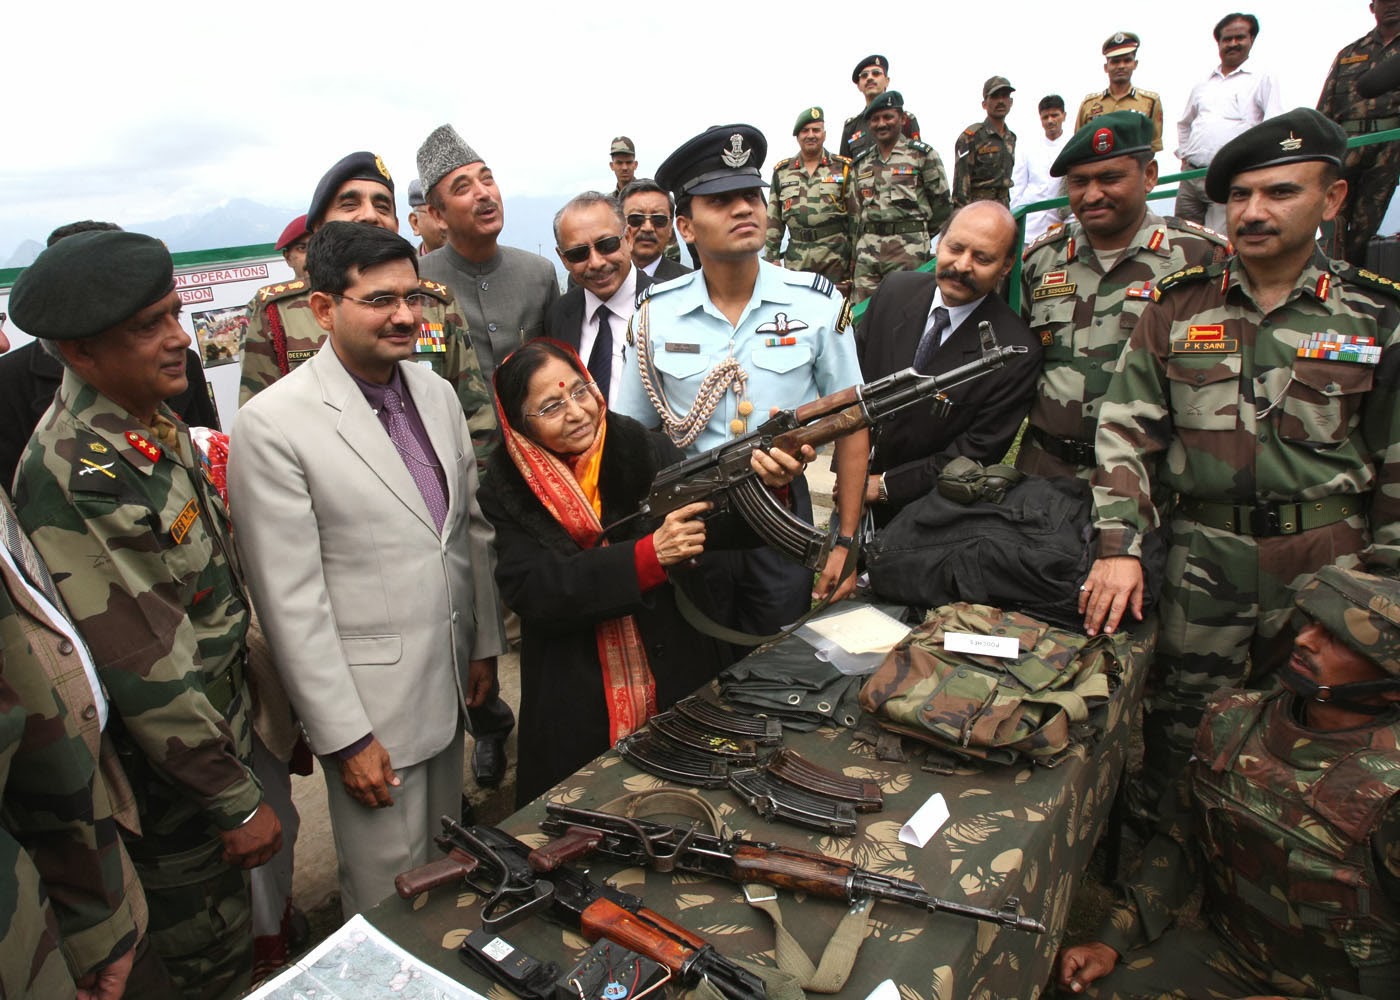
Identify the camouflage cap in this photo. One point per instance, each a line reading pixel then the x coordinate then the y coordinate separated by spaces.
pixel 89 282
pixel 1293 137
pixel 1118 133
pixel 363 165
pixel 1358 608
pixel 880 61
pixel 295 230
pixel 889 100
pixel 721 158
pixel 1121 43
pixel 994 84
pixel 808 116
pixel 622 146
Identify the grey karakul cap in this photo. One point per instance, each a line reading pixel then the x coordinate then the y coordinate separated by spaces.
pixel 441 153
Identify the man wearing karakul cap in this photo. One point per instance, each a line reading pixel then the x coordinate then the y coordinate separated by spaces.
pixel 1264 393
pixel 111 493
pixel 756 336
pixel 503 292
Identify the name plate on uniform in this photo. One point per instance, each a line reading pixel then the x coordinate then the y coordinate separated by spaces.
pixel 673 348
pixel 1006 646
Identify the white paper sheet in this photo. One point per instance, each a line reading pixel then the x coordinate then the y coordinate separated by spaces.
pixel 926 822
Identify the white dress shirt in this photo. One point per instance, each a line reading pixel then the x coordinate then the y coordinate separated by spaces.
pixel 1032 180
pixel 956 314
pixel 650 269
pixel 622 304
pixel 1221 107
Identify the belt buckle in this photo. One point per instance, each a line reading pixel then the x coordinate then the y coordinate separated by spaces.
pixel 1264 521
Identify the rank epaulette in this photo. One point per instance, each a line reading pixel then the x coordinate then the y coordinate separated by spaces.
pixel 95 465
pixel 1197 229
pixel 822 284
pixel 838 158
pixel 1367 279
pixel 1185 276
pixel 862 154
pixel 922 147
pixel 1054 234
pixel 436 289
pixel 971 130
pixel 659 287
pixel 281 289
pixel 782 164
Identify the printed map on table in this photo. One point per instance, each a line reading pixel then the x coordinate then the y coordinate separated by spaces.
pixel 357 962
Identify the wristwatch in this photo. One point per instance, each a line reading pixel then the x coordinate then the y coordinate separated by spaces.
pixel 844 541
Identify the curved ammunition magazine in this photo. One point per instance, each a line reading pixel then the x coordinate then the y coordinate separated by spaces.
pixel 774 798
pixel 659 755
pixel 763 731
pixel 790 766
pixel 696 737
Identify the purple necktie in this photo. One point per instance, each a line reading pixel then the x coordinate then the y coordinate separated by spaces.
pixel 420 466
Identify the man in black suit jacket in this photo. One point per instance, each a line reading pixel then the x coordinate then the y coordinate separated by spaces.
pixel 931 323
pixel 592 241
pixel 650 213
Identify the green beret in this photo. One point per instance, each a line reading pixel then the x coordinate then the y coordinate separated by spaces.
pixel 889 100
pixel 1118 133
pixel 1359 609
pixel 808 116
pixel 90 282
pixel 1293 137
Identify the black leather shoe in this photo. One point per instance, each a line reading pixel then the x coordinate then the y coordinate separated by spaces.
pixel 489 762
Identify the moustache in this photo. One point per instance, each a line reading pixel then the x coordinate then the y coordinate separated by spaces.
pixel 644 236
pixel 1257 229
pixel 487 206
pixel 965 280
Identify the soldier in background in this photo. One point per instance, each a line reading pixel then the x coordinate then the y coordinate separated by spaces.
pixel 622 161
pixel 282 333
pixel 424 226
pixel 898 201
pixel 986 151
pixel 1264 393
pixel 292 246
pixel 1120 60
pixel 871 77
pixel 1085 284
pixel 1356 99
pixel 1290 817
pixel 808 200
pixel 138 542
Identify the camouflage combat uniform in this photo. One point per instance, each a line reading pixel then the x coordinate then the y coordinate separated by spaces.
pixel 1144 102
pixel 138 542
pixel 982 170
pixel 812 209
pixel 282 333
pixel 895 205
pixel 1295 833
pixel 1370 171
pixel 1223 405
pixel 1083 316
pixel 856 137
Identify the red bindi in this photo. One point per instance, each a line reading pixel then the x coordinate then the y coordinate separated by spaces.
pixel 561 385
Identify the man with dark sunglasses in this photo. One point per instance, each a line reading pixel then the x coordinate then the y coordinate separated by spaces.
pixel 648 210
pixel 592 316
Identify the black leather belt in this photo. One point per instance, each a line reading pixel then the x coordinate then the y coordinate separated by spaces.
pixel 1069 450
pixel 1271 518
pixel 221 690
pixel 895 228
pixel 817 233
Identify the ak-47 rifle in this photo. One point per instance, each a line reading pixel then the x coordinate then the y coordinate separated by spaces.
pixel 496 865
pixel 723 475
pixel 666 848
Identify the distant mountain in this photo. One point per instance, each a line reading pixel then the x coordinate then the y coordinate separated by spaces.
pixel 24 254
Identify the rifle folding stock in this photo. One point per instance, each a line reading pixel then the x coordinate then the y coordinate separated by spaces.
pixel 672 848
pixel 723 476
pixel 496 865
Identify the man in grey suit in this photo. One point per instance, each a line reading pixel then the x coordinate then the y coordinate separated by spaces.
pixel 368 559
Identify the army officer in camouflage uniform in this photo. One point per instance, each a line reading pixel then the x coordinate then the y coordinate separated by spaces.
pixel 986 150
pixel 1085 284
pixel 282 334
pixel 898 201
pixel 1290 816
pixel 1265 393
pixel 808 199
pixel 113 497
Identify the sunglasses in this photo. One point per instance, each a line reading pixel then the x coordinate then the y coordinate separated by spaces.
pixel 657 221
pixel 579 254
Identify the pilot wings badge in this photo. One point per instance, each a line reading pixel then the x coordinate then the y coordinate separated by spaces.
pixel 736 156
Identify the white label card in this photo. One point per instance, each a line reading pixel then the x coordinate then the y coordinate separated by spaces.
pixel 1006 646
pixel 497 949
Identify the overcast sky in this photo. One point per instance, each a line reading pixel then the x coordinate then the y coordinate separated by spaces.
pixel 143 111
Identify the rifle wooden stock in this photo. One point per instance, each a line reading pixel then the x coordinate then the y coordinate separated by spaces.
pixel 575 844
pixel 456 866
pixel 645 932
pixel 792 869
pixel 825 429
pixel 827 404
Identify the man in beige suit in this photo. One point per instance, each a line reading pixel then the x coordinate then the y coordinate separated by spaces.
pixel 352 484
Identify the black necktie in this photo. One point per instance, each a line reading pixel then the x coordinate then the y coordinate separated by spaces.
pixel 930 340
pixel 601 357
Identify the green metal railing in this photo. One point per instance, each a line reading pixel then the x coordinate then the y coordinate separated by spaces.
pixel 1013 298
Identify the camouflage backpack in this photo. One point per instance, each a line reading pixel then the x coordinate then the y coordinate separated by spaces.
pixel 989 707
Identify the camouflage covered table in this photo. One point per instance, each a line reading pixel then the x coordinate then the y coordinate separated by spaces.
pixel 1025 831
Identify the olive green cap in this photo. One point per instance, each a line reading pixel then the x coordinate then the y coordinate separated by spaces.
pixel 1359 609
pixel 808 116
pixel 889 100
pixel 90 282
pixel 1118 133
pixel 1293 137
